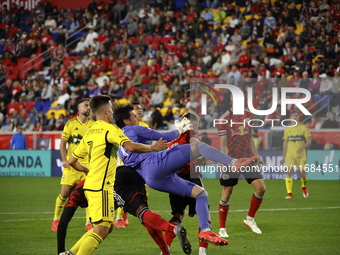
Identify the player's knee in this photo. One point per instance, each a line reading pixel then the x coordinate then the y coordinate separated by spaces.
pixel 203 193
pixel 261 190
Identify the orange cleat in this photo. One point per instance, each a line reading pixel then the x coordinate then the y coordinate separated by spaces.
pixel 119 223
pixel 125 219
pixel 88 227
pixel 211 237
pixel 55 224
pixel 305 192
pixel 289 196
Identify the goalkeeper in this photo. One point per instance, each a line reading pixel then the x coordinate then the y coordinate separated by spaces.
pixel 159 169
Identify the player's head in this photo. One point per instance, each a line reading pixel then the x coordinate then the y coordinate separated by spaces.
pixel 138 108
pixel 125 115
pixel 84 107
pixel 101 106
pixel 294 115
pixel 194 119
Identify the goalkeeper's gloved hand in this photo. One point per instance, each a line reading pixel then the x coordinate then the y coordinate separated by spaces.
pixel 183 125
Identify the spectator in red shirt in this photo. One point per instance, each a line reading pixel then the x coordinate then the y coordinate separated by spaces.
pixel 244 59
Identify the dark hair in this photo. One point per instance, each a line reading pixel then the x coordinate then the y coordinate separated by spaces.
pixel 98 102
pixel 122 113
pixel 191 116
pixel 135 103
pixel 294 111
pixel 83 100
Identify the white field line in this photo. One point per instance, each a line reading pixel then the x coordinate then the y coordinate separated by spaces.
pixel 243 210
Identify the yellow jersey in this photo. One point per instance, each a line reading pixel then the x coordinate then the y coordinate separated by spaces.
pixel 74 131
pixel 296 137
pixel 100 145
pixel 143 124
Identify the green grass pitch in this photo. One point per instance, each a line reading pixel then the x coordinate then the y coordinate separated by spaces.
pixel 296 226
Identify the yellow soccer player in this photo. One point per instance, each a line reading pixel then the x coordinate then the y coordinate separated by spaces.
pixel 73 132
pixel 296 140
pixel 100 146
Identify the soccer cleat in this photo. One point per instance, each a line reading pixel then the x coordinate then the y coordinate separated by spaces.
pixel 181 233
pixel 253 226
pixel 243 162
pixel 211 237
pixel 88 227
pixel 119 223
pixel 289 196
pixel 305 192
pixel 125 219
pixel 67 253
pixel 223 233
pixel 55 224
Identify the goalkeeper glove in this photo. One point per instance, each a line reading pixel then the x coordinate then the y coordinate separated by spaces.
pixel 183 125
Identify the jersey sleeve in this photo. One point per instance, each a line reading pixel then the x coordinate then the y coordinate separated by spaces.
pixel 285 135
pixel 307 132
pixel 66 131
pixel 81 151
pixel 222 129
pixel 150 134
pixel 117 136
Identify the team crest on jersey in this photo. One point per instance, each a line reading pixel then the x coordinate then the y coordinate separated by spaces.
pixel 225 176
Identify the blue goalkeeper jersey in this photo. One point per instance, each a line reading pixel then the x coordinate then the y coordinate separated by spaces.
pixel 144 135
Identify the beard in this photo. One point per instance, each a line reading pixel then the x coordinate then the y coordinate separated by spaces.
pixel 86 114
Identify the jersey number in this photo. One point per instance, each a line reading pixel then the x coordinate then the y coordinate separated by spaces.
pixel 90 144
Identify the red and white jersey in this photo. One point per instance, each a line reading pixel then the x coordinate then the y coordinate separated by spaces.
pixel 238 134
pixel 185 139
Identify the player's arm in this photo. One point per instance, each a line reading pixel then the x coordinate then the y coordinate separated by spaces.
pixel 307 143
pixel 284 150
pixel 150 134
pixel 224 144
pixel 143 148
pixel 73 161
pixel 63 152
pixel 254 151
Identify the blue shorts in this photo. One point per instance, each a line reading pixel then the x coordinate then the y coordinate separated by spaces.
pixel 159 170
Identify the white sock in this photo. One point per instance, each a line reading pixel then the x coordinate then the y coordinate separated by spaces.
pixel 249 218
pixel 202 251
pixel 119 218
pixel 87 222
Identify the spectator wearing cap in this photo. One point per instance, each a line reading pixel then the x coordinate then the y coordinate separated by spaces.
pixel 325 85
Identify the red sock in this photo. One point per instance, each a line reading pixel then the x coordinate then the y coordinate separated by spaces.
pixel 157 222
pixel 223 213
pixel 158 237
pixel 254 206
pixel 169 236
pixel 201 243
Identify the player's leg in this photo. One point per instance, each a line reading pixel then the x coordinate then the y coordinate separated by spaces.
pixel 178 205
pixel 227 180
pixel 255 203
pixel 59 205
pixel 209 152
pixel 303 177
pixel 289 167
pixel 102 221
pixel 65 218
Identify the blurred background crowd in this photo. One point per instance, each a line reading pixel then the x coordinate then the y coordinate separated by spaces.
pixel 151 52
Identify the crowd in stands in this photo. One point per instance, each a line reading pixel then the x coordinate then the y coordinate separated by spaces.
pixel 51 58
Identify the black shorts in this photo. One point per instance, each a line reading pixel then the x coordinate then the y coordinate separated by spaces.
pixel 129 190
pixel 179 203
pixel 230 179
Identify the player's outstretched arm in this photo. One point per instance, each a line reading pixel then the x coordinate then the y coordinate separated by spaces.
pixel 72 161
pixel 143 148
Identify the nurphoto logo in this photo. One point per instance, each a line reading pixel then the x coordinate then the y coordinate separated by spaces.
pixel 206 93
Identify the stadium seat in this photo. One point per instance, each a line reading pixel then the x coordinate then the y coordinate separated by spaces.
pixel 38 63
pixel 67 60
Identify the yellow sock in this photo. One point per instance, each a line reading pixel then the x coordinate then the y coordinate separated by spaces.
pixel 90 244
pixel 303 182
pixel 119 213
pixel 76 247
pixel 87 215
pixel 289 185
pixel 59 205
